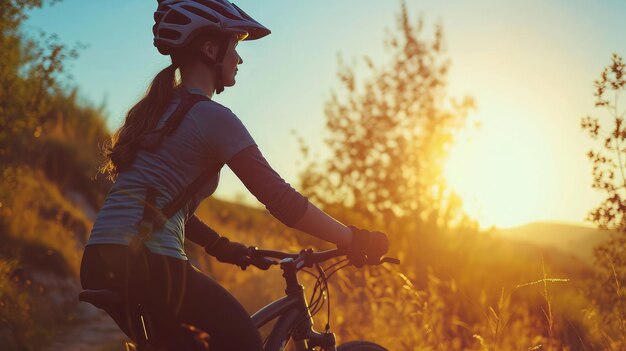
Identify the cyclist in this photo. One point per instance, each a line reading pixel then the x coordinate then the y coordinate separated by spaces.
pixel 136 250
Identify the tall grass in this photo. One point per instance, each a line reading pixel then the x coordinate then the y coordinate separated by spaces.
pixel 608 321
pixel 476 293
pixel 472 293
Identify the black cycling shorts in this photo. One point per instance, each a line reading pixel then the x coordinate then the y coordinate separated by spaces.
pixel 172 291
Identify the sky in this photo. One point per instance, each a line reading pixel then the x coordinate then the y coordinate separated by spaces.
pixel 530 66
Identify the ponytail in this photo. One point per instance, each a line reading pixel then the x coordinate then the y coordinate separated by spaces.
pixel 120 150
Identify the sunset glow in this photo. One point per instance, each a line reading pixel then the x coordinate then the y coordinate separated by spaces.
pixel 451 172
pixel 530 67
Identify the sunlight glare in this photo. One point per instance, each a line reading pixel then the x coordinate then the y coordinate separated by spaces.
pixel 495 169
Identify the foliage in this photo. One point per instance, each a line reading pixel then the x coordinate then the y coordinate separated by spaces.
pixel 457 288
pixel 28 80
pixel 389 135
pixel 609 165
pixel 48 155
pixel 42 235
pixel 609 162
pixel 41 124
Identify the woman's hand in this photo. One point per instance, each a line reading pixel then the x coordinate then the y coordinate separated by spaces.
pixel 238 254
pixel 366 246
pixel 230 252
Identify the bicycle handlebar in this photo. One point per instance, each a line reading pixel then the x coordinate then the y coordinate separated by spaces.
pixel 305 258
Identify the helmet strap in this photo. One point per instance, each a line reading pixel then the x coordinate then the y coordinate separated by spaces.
pixel 219 67
pixel 218 64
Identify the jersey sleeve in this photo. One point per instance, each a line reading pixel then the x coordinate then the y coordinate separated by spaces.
pixel 280 199
pixel 223 133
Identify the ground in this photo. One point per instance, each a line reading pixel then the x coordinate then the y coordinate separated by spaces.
pixel 94 331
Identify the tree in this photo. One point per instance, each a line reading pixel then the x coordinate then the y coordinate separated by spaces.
pixel 608 170
pixel 389 136
pixel 28 79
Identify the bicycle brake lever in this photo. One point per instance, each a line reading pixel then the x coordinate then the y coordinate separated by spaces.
pixel 260 262
pixel 389 260
pixel 263 263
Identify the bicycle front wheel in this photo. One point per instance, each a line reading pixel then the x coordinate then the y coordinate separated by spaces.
pixel 360 346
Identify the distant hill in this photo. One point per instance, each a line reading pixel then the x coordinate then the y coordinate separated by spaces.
pixel 575 239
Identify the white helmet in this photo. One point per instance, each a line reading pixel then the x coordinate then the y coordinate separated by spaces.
pixel 179 21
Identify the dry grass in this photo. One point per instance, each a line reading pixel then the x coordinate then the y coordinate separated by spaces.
pixel 475 294
pixel 42 239
pixel 455 292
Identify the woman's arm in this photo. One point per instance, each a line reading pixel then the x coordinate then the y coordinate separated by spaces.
pixel 200 233
pixel 319 224
pixel 283 201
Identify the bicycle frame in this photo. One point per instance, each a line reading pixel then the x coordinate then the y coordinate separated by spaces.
pixel 294 317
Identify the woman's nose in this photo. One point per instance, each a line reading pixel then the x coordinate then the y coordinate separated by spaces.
pixel 240 60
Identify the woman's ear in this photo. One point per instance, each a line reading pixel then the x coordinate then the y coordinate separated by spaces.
pixel 209 48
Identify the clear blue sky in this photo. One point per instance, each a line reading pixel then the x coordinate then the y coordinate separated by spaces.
pixel 529 64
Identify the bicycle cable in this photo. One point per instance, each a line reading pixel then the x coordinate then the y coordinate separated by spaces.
pixel 311 302
pixel 317 283
pixel 327 277
pixel 314 302
pixel 323 275
pixel 335 271
pixel 321 279
pixel 321 283
pixel 336 263
pixel 315 297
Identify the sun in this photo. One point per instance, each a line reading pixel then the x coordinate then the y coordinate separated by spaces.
pixel 499 170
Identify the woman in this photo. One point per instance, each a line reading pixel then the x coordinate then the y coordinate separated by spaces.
pixel 177 138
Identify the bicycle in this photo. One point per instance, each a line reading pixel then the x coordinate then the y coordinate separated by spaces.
pixel 293 311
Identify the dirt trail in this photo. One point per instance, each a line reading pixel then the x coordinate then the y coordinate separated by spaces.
pixel 94 331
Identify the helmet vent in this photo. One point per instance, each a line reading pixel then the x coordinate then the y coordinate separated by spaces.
pixel 177 23
pixel 169 34
pixel 218 8
pixel 176 17
pixel 202 14
pixel 158 15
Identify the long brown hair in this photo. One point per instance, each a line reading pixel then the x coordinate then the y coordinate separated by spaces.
pixel 120 150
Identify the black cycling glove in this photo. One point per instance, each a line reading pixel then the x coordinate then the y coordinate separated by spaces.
pixel 230 252
pixel 366 246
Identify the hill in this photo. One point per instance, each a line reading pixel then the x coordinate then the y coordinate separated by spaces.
pixel 575 239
